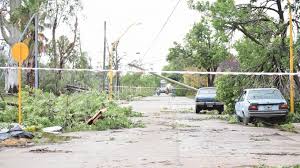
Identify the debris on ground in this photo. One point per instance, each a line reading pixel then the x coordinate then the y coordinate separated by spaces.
pixel 73 88
pixel 50 138
pixel 46 150
pixel 96 117
pixel 277 154
pixel 53 130
pixel 16 132
pixel 14 142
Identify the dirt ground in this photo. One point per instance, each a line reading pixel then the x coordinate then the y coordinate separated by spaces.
pixel 173 137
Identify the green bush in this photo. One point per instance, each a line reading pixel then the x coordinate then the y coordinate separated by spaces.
pixel 232 119
pixel 294 118
pixel 2 105
pixel 287 127
pixel 228 89
pixel 297 106
pixel 9 115
pixel 184 92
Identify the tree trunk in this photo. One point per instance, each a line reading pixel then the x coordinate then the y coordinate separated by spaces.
pixel 210 80
pixel 30 76
pixel 11 77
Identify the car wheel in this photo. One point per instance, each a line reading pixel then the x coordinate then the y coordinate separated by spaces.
pixel 198 110
pixel 221 110
pixel 238 118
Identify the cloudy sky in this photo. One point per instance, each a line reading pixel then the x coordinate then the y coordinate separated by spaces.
pixel 150 16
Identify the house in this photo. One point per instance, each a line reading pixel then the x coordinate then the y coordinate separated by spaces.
pixel 231 65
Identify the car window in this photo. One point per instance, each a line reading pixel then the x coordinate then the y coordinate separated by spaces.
pixel 242 98
pixel 209 92
pixel 264 94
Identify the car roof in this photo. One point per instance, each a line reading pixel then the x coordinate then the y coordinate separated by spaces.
pixel 260 89
pixel 207 88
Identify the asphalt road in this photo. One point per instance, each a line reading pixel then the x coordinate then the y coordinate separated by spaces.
pixel 174 137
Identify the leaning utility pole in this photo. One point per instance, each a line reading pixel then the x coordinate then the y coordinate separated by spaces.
pixel 167 79
pixel 104 59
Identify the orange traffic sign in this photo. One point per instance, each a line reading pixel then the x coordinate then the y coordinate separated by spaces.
pixel 20 52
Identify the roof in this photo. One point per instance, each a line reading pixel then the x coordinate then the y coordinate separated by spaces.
pixel 231 65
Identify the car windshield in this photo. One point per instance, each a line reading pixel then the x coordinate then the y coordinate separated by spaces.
pixel 210 93
pixel 264 94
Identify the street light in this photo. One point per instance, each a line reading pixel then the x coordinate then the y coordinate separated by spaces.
pixel 114 48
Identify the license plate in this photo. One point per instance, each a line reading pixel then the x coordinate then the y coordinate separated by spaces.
pixel 268 107
pixel 210 105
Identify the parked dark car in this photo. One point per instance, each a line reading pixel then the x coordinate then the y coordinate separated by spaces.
pixel 206 100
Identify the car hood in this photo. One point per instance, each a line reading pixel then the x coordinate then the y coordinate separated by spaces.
pixel 267 101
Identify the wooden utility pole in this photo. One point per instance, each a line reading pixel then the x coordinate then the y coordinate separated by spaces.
pixel 167 79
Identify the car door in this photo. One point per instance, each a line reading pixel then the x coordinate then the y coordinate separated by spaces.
pixel 239 105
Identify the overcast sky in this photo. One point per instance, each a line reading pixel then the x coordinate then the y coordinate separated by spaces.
pixel 119 14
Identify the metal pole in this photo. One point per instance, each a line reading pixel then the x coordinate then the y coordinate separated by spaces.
pixel 117 68
pixel 26 27
pixel 292 90
pixel 36 53
pixel 111 73
pixel 104 59
pixel 20 92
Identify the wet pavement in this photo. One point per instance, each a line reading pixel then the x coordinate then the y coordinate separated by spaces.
pixel 174 137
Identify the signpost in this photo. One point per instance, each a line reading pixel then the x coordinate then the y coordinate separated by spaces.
pixel 20 52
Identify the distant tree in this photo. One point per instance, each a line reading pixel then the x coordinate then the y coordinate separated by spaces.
pixel 195 80
pixel 204 49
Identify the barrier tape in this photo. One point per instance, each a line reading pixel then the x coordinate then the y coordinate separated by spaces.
pixel 142 87
pixel 160 72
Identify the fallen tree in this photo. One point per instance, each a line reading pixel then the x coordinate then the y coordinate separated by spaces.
pixel 42 109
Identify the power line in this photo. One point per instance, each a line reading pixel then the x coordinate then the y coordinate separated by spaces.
pixel 162 28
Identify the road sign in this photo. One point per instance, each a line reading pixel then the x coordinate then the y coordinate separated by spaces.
pixel 20 52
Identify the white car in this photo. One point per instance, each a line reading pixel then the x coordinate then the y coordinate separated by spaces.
pixel 261 103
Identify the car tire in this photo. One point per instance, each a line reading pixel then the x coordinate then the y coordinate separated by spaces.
pixel 221 109
pixel 238 118
pixel 198 110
